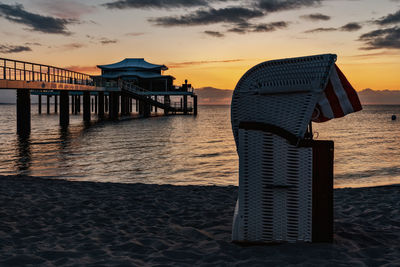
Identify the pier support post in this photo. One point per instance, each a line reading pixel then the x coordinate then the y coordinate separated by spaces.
pixel 155 107
pixel 78 103
pixel 101 105
pixel 195 105
pixel 56 104
pixel 48 104
pixel 92 100
pixel 114 105
pixel 141 107
pixel 72 104
pixel 23 112
pixel 137 105
pixel 106 103
pixel 147 109
pixel 95 104
pixel 86 106
pixel 185 102
pixel 123 105
pixel 64 108
pixel 40 104
pixel 167 104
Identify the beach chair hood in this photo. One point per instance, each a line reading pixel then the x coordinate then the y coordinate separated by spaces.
pixel 289 93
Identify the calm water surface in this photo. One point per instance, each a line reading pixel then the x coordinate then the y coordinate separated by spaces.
pixel 185 150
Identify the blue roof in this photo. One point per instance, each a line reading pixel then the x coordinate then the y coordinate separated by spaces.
pixel 140 74
pixel 137 63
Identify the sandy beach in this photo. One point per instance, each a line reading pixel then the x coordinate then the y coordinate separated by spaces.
pixel 62 223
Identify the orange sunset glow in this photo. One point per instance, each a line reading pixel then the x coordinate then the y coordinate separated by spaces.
pixel 210 43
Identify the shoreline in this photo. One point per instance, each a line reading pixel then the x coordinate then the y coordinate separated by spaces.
pixel 50 222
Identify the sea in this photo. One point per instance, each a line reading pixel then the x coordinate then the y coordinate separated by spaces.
pixel 184 149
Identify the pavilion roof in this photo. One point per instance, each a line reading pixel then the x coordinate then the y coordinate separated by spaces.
pixel 138 63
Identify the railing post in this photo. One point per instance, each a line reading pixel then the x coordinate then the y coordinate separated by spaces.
pixel 4 70
pixel 24 72
pixel 15 71
pixel 48 74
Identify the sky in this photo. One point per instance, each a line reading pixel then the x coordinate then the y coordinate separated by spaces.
pixel 212 43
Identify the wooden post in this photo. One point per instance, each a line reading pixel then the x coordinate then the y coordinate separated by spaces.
pixel 167 104
pixel 123 105
pixel 106 103
pixel 64 108
pixel 23 112
pixel 56 104
pixel 114 105
pixel 72 104
pixel 155 107
pixel 92 100
pixel 79 103
pixel 195 105
pixel 86 106
pixel 101 105
pixel 185 102
pixel 95 104
pixel 40 104
pixel 48 104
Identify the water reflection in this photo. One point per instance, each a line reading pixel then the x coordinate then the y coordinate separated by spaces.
pixel 24 154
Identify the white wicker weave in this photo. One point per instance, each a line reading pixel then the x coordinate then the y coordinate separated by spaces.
pixel 275 177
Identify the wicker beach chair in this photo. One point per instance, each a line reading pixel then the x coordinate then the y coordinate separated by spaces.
pixel 272 106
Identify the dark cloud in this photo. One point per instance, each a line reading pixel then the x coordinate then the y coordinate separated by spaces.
pixel 210 16
pixel 106 41
pixel 389 19
pixel 316 17
pixel 383 38
pixel 351 27
pixel 8 49
pixel 321 30
pixel 243 28
pixel 72 46
pixel 16 13
pixel 203 62
pixel 134 34
pixel 280 5
pixel 123 4
pixel 214 34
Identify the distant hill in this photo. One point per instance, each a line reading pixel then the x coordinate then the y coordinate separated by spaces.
pixel 214 96
pixel 384 97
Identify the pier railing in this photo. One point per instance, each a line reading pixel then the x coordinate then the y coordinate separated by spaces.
pixel 26 71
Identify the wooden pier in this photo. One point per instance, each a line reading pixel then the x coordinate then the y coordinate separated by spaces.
pixel 109 99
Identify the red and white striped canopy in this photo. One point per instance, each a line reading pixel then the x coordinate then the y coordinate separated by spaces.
pixel 339 98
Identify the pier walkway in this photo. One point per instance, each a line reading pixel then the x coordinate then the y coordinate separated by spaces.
pixel 109 99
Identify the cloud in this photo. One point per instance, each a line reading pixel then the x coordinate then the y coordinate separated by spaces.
pixel 316 30
pixel 194 63
pixel 106 41
pixel 214 34
pixel 8 49
pixel 316 17
pixel 123 4
pixel 349 27
pixel 72 46
pixel 134 34
pixel 16 13
pixel 280 5
pixel 243 28
pixel 65 9
pixel 389 19
pixel 382 38
pixel 210 16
